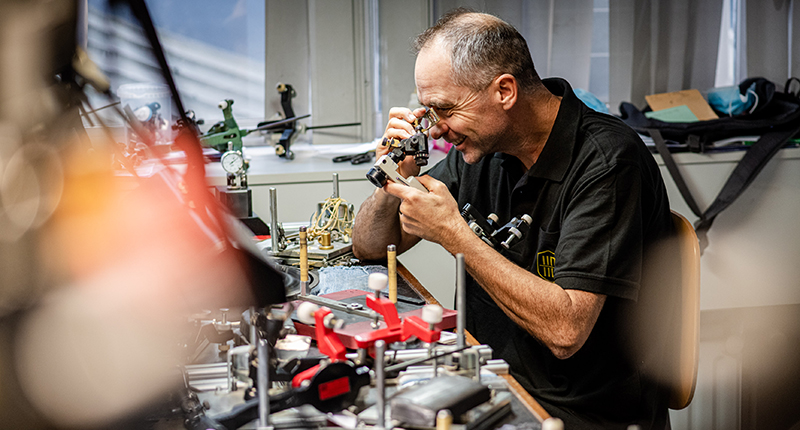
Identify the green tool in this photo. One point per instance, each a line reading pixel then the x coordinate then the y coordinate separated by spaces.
pixel 223 132
pixel 227 136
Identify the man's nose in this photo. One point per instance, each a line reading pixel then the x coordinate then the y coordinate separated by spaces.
pixel 438 130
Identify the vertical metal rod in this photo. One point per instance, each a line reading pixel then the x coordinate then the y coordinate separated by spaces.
pixel 263 384
pixel 232 353
pixel 391 266
pixel 335 186
pixel 477 366
pixel 461 300
pixel 380 383
pixel 253 319
pixel 231 381
pixel 376 321
pixel 432 352
pixel 273 219
pixel 303 261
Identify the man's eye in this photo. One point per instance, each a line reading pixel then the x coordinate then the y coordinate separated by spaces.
pixel 445 112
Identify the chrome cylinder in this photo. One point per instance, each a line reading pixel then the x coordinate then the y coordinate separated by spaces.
pixel 273 219
pixel 380 383
pixel 461 300
pixel 263 384
pixel 335 186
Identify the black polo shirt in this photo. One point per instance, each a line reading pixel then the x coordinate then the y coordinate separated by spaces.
pixel 597 201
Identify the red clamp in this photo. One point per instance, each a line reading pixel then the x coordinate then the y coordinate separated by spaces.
pixel 386 308
pixel 328 343
pixel 395 330
pixel 415 326
pixel 305 375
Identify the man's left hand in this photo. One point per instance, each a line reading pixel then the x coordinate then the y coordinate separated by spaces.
pixel 433 216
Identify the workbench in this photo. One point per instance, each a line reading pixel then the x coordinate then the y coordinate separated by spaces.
pixel 307 180
pixel 525 412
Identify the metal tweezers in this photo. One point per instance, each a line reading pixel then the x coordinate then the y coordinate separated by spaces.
pixel 359 158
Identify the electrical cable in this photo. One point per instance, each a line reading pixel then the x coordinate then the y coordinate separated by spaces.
pixel 336 217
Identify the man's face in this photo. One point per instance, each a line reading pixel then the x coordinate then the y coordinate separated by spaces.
pixel 467 118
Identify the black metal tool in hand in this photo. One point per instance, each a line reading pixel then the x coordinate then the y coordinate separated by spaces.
pixel 491 232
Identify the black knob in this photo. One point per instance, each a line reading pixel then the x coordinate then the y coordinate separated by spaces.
pixel 377 177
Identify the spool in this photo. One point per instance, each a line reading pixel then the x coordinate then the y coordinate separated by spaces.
pixel 325 241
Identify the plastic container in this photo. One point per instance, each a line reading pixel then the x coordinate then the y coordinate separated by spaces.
pixel 151 104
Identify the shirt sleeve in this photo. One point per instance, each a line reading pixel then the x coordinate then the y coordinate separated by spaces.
pixel 601 240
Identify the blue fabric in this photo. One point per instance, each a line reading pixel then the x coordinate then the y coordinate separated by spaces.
pixel 730 101
pixel 591 100
pixel 340 278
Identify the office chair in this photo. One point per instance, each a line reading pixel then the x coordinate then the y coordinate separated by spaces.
pixel 687 349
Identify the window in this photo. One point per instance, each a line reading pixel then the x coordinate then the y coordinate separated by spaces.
pixel 598 65
pixel 215 49
pixel 727 52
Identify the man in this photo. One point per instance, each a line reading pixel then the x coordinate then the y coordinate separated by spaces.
pixel 553 306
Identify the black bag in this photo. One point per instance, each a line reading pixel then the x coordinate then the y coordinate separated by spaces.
pixel 776 118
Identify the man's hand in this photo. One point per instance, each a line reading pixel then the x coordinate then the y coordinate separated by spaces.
pixel 400 126
pixel 561 319
pixel 433 216
pixel 377 223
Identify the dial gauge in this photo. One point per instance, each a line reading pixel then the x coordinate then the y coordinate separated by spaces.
pixel 232 162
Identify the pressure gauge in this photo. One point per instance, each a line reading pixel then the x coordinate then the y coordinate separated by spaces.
pixel 232 162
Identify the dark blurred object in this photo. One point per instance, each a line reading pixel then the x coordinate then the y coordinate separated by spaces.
pixel 419 405
pixel 362 157
pixel 39 121
pixel 266 280
pixel 96 269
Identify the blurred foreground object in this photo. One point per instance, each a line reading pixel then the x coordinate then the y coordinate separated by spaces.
pixel 97 272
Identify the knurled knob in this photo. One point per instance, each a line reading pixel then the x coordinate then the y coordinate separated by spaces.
pixel 432 314
pixel 305 312
pixel 377 281
pixel 553 424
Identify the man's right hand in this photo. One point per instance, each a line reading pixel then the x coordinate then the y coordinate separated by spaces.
pixel 401 126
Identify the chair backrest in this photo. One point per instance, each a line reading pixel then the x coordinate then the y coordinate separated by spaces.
pixel 682 388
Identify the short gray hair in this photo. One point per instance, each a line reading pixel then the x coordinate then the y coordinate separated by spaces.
pixel 482 47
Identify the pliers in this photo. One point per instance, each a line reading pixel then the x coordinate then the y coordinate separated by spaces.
pixel 359 158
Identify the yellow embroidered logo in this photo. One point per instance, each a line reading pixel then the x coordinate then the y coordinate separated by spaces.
pixel 546 265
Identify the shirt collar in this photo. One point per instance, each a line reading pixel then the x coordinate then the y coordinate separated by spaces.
pixel 556 156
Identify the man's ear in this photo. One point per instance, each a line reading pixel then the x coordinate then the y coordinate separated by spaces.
pixel 506 90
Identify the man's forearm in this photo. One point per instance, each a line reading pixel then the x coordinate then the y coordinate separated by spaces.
pixel 377 226
pixel 560 319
